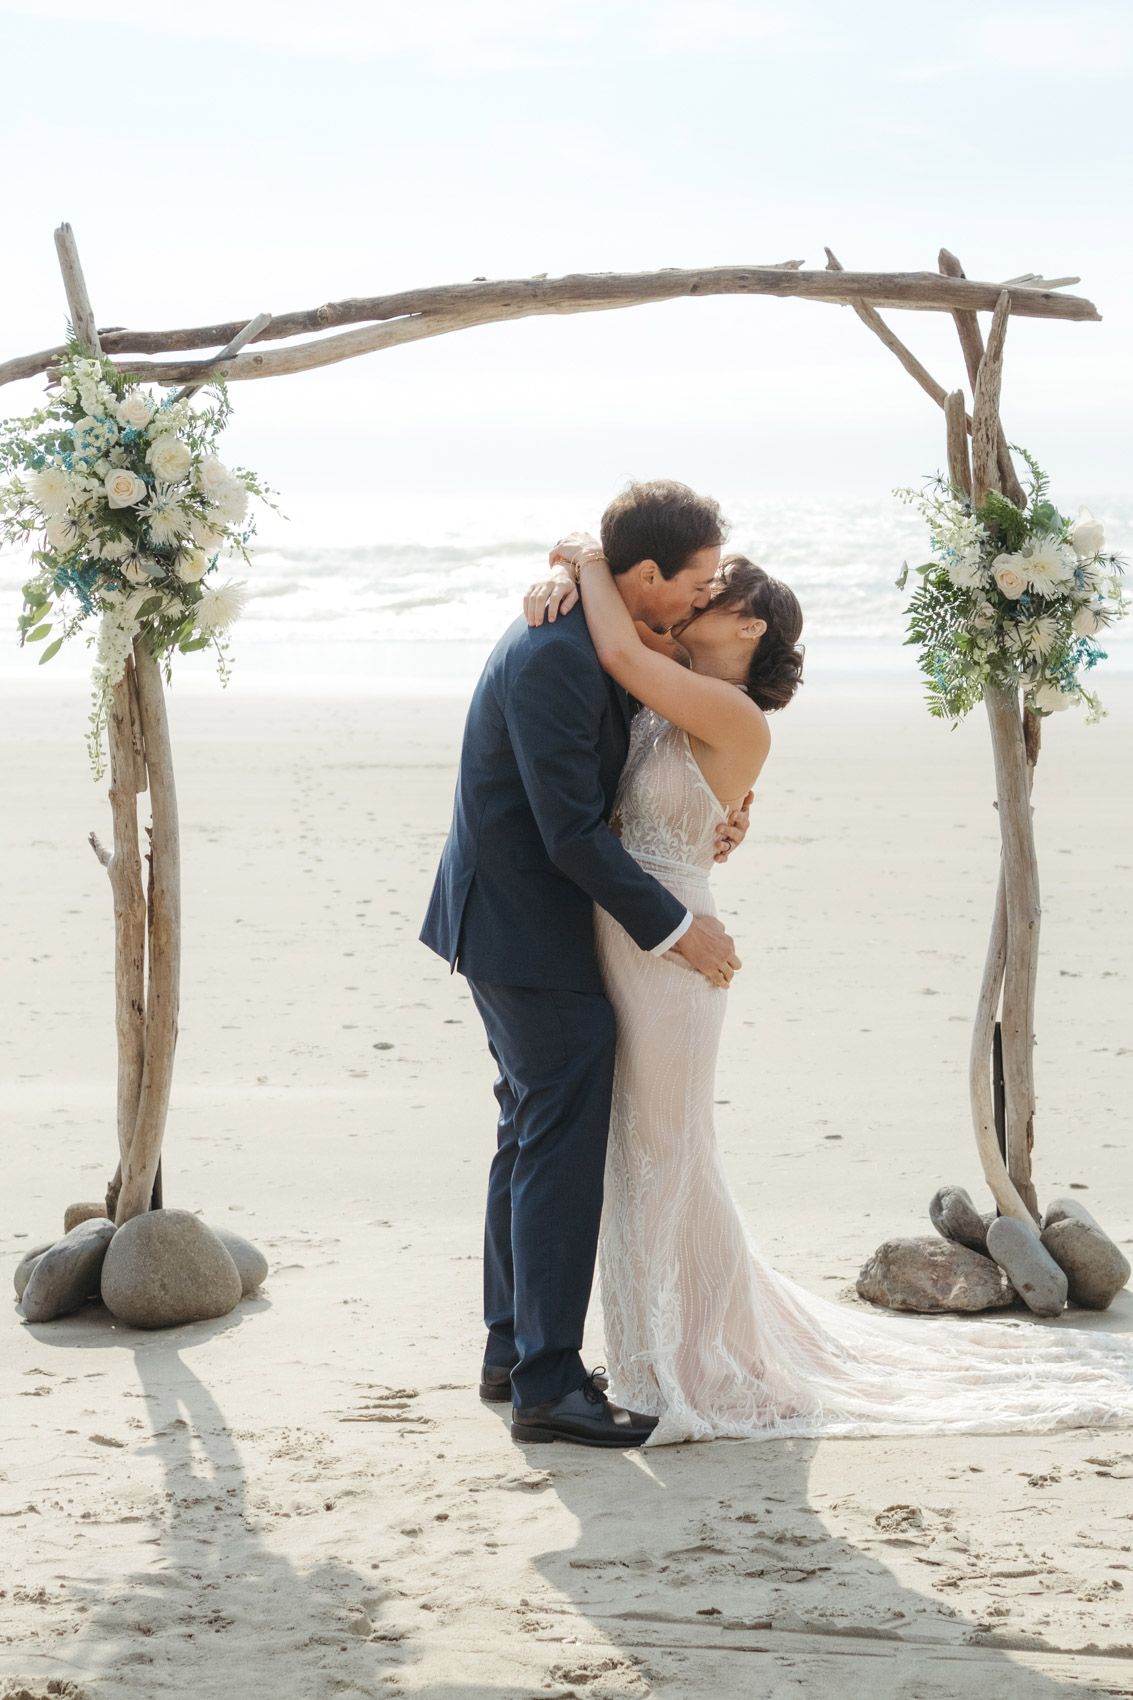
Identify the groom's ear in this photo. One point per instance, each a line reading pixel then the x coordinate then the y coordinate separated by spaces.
pixel 648 572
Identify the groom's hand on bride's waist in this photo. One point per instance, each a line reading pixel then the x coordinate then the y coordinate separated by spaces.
pixel 731 832
pixel 709 949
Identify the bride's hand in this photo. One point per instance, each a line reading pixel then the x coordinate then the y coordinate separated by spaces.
pixel 557 594
pixel 568 549
pixel 550 597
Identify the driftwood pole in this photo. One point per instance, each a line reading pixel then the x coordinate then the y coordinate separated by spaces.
pixel 1013 951
pixel 146 1006
pixel 1011 965
pixel 123 864
pixel 139 1166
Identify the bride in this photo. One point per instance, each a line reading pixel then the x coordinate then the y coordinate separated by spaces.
pixel 701 1332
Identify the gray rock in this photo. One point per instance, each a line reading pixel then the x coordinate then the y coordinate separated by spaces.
pixel 66 1276
pixel 929 1274
pixel 248 1258
pixel 1062 1209
pixel 1028 1265
pixel 167 1267
pixel 1095 1268
pixel 76 1213
pixel 953 1215
pixel 27 1263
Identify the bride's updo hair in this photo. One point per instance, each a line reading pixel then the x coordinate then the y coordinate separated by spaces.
pixel 776 670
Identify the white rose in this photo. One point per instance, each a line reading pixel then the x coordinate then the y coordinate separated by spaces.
pixel 135 412
pixel 124 489
pixel 1048 699
pixel 213 476
pixel 1007 576
pixel 1087 535
pixel 170 459
pixel 192 564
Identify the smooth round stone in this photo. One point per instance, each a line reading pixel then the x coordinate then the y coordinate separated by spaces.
pixel 27 1263
pixel 67 1274
pixel 1028 1265
pixel 1095 1268
pixel 924 1273
pixel 248 1258
pixel 953 1215
pixel 1063 1209
pixel 76 1213
pixel 167 1267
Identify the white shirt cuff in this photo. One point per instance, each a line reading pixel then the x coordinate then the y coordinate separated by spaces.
pixel 677 933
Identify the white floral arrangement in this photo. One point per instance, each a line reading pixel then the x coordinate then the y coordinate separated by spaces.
pixel 1013 598
pixel 127 510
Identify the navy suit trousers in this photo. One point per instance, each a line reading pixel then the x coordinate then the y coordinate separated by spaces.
pixel 555 1055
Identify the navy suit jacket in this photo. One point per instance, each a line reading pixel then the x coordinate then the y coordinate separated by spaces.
pixel 529 850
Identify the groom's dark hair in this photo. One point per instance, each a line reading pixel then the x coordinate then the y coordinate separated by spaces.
pixel 660 521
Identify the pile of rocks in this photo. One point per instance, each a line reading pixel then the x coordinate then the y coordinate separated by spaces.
pixel 156 1271
pixel 984 1262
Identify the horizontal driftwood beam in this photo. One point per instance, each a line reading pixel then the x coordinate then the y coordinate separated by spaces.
pixel 484 301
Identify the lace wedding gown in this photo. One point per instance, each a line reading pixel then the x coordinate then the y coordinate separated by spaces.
pixel 700 1330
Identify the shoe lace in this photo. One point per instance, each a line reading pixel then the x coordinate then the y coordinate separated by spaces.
pixel 590 1388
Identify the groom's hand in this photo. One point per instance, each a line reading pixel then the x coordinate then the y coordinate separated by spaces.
pixel 708 948
pixel 731 833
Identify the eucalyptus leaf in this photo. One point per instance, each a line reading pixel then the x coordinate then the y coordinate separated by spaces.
pixel 39 632
pixel 52 649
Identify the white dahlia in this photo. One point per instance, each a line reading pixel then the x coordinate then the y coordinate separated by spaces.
pixel 51 490
pixel 219 607
pixel 115 549
pixel 1048 565
pixel 1043 634
pixel 165 518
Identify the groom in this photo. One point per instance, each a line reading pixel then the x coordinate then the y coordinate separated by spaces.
pixel 528 854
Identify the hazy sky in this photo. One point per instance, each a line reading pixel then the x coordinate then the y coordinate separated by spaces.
pixel 216 159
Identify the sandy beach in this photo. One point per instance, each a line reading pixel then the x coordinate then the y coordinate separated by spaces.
pixel 307 1499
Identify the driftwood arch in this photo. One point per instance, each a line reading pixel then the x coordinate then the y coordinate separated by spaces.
pixel 147 915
